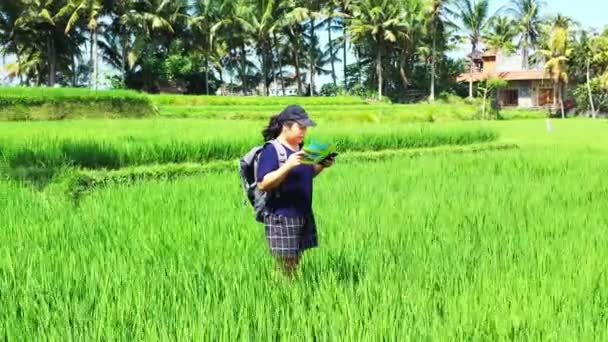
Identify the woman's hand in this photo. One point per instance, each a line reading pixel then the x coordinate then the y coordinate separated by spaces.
pixel 328 162
pixel 324 164
pixel 294 160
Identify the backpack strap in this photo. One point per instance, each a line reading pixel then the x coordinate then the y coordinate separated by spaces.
pixel 282 156
pixel 281 152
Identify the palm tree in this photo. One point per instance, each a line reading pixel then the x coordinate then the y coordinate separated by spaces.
pixel 527 15
pixel 377 23
pixel 557 53
pixel 313 8
pixel 263 21
pixel 205 16
pixel 343 12
pixel 143 23
pixel 475 17
pixel 320 58
pixel 293 32
pixel 37 21
pixel 410 33
pixel 117 43
pixel 502 31
pixel 90 11
pixel 330 21
pixel 9 12
pixel 438 13
pixel 235 29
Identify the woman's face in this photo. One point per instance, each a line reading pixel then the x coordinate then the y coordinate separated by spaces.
pixel 295 133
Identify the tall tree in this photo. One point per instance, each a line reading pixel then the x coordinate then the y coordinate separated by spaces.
pixel 411 31
pixel 331 24
pixel 500 35
pixel 294 31
pixel 9 13
pixel 557 52
pixel 90 11
pixel 438 21
pixel 236 31
pixel 344 12
pixel 205 16
pixel 37 19
pixel 377 23
pixel 263 23
pixel 474 17
pixel 527 16
pixel 313 8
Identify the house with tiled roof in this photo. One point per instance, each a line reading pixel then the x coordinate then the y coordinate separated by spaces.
pixel 532 88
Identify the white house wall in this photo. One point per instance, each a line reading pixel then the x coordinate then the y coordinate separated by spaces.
pixel 506 63
pixel 526 99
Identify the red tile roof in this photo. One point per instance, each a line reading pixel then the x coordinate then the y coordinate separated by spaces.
pixel 506 75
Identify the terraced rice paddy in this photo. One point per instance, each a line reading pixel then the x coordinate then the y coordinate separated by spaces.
pixel 430 244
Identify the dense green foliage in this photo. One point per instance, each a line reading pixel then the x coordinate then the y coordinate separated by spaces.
pixel 395 49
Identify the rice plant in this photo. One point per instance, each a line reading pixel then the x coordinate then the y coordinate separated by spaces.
pixel 489 246
pixel 116 144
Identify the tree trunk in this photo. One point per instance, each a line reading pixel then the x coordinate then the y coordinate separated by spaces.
pixel 432 95
pixel 331 51
pixel 207 73
pixel 51 57
pixel 298 78
pixel 310 56
pixel 379 72
pixel 589 89
pixel 265 71
pixel 472 63
pixel 402 62
pixel 39 75
pixel 74 72
pixel 561 101
pixel 91 66
pixel 273 70
pixel 525 53
pixel 95 59
pixel 243 69
pixel 266 60
pixel 485 97
pixel 297 66
pixel 555 94
pixel 344 55
pixel 19 71
pixel 125 58
pixel 276 44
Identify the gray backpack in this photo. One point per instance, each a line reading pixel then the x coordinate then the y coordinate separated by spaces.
pixel 248 171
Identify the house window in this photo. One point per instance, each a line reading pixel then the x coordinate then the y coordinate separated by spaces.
pixel 545 97
pixel 510 97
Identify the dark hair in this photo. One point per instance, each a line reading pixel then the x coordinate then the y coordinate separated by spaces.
pixel 274 128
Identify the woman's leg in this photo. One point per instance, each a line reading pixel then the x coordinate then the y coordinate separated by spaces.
pixel 290 263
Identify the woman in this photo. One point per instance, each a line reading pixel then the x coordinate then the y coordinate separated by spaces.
pixel 289 222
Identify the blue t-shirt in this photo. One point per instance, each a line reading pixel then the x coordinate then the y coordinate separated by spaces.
pixel 295 191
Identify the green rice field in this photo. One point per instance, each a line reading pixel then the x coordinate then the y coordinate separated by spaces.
pixel 440 239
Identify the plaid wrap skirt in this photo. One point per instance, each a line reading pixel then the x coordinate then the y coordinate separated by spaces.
pixel 290 236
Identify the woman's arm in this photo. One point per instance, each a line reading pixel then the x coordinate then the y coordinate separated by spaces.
pixel 323 165
pixel 318 169
pixel 274 178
